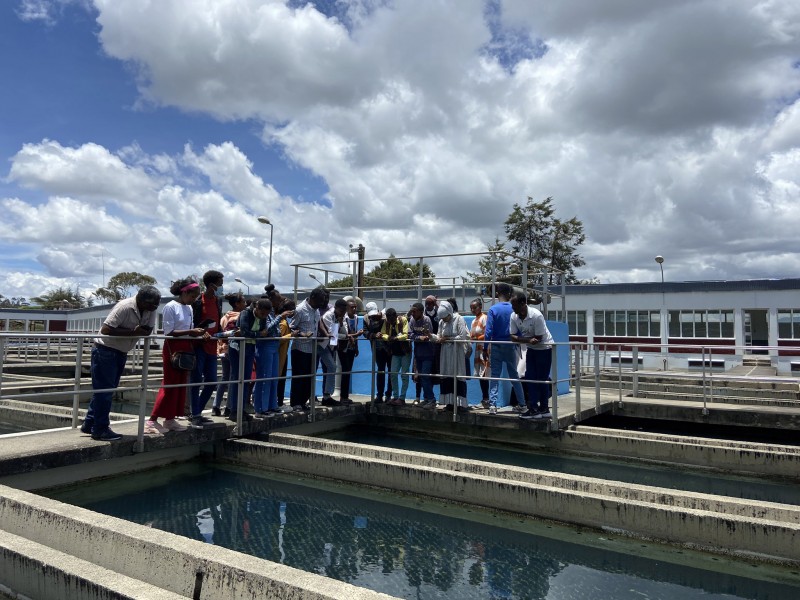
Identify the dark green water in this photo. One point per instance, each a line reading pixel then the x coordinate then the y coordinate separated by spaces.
pixel 706 483
pixel 414 548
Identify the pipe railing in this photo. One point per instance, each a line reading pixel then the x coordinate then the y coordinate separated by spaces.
pixel 574 376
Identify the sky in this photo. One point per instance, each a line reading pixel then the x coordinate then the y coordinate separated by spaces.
pixel 148 136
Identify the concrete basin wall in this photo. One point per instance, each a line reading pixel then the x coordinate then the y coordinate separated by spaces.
pixel 716 531
pixel 164 561
pixel 764 460
pixel 576 483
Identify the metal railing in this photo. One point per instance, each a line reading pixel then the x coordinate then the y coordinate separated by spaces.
pixel 73 344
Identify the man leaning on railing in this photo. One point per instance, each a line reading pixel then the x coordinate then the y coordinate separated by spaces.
pixel 129 320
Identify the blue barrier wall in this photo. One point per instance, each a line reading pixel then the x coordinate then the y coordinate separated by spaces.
pixel 361 380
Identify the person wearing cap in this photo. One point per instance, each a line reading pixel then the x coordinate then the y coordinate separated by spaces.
pixel 128 321
pixel 181 332
pixel 373 322
pixel 452 336
pixel 498 322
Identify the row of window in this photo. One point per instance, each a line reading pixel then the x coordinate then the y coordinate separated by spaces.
pixel 680 323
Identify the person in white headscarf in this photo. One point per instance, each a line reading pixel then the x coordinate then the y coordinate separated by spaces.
pixel 452 334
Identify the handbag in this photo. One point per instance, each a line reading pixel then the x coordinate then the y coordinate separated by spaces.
pixel 183 361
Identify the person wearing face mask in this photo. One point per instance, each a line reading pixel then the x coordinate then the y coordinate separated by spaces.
pixel 206 314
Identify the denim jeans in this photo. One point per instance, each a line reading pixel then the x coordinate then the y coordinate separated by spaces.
pixel 537 368
pixel 327 356
pixel 399 375
pixel 504 354
pixel 205 369
pixel 222 387
pixel 424 370
pixel 265 394
pixel 107 368
pixel 233 390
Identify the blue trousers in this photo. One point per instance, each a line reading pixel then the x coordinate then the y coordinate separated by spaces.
pixel 327 356
pixel 107 368
pixel 399 374
pixel 223 387
pixel 504 354
pixel 265 394
pixel 424 370
pixel 537 367
pixel 233 390
pixel 205 369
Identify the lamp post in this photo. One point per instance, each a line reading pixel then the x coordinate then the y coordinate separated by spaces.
pixel 660 260
pixel 314 277
pixel 266 221
pixel 237 280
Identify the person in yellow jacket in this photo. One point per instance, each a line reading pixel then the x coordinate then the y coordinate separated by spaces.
pixel 395 333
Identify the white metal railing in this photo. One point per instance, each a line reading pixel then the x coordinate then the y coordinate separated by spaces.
pixel 72 344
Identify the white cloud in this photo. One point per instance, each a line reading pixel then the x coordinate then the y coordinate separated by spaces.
pixel 668 128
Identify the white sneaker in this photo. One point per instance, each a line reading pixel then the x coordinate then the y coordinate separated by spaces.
pixel 173 425
pixel 493 410
pixel 154 428
pixel 543 415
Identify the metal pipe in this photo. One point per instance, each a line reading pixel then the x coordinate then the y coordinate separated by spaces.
pixel 143 396
pixel 76 396
pixel 577 383
pixel 554 385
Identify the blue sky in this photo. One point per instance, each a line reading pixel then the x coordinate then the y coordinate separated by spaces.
pixel 148 136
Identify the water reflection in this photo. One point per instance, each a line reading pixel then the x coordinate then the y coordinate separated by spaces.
pixel 404 552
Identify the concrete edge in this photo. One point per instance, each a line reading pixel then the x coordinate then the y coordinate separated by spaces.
pixel 164 559
pixel 624 492
pixel 32 570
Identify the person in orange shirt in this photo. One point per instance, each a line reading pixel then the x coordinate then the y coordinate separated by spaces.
pixel 477 332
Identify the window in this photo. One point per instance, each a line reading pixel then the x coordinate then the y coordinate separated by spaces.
pixel 628 323
pixel 701 323
pixel 789 323
pixel 576 320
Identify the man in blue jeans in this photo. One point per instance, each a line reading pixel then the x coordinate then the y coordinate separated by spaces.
pixel 498 321
pixel 129 320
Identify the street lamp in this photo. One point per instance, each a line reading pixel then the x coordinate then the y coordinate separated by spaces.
pixel 236 279
pixel 314 277
pixel 266 221
pixel 660 261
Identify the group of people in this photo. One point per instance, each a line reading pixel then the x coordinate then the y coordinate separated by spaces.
pixel 431 344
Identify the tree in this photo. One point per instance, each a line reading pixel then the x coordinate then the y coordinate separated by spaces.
pixel 536 234
pixel 122 285
pixel 60 298
pixel 391 272
pixel 485 264
pixel 15 302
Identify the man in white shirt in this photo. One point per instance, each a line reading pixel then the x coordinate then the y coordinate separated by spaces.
pixel 129 320
pixel 332 323
pixel 528 326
